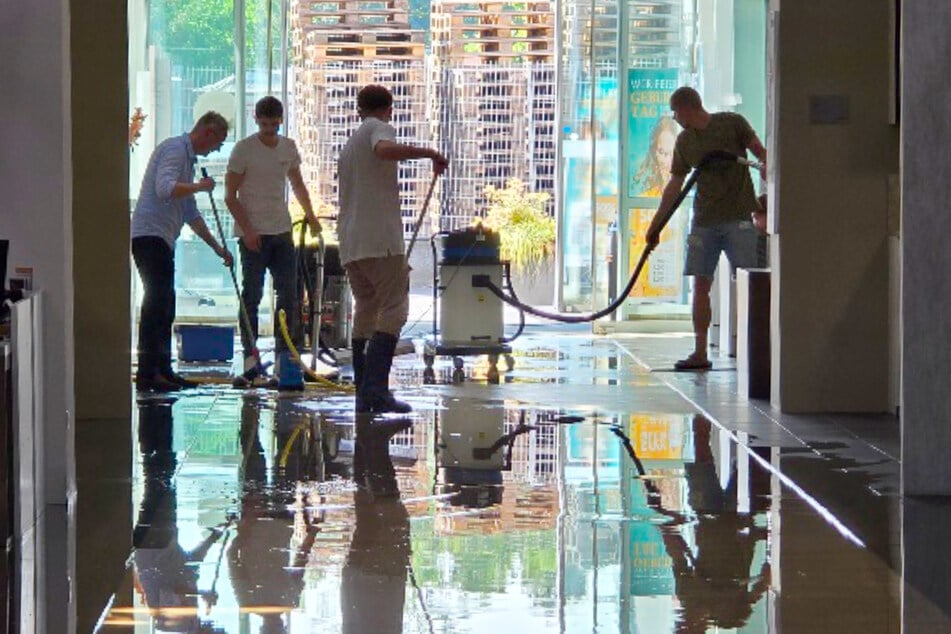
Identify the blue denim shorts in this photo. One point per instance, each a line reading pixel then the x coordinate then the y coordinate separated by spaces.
pixel 704 245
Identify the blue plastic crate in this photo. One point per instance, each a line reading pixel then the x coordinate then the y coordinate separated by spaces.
pixel 205 343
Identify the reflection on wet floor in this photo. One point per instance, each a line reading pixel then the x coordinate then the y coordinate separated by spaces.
pixel 260 512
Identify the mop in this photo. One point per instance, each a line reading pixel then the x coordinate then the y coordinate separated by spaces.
pixel 259 369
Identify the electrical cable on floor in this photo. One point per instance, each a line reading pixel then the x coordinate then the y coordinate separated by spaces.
pixel 282 319
pixel 419 597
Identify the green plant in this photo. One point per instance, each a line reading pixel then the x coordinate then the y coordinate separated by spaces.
pixel 527 233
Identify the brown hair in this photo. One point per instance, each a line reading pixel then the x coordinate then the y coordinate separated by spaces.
pixel 374 97
pixel 269 108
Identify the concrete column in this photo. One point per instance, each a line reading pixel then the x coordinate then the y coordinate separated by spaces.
pixel 832 151
pixel 926 251
pixel 100 249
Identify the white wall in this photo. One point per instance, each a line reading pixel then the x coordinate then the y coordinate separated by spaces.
pixel 36 178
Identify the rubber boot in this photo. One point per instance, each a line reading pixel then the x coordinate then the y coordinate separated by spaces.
pixel 374 395
pixel 372 466
pixel 290 377
pixel 359 347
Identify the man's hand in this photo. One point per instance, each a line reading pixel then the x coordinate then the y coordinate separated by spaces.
pixel 440 163
pixel 226 256
pixel 652 237
pixel 315 227
pixel 252 240
pixel 205 185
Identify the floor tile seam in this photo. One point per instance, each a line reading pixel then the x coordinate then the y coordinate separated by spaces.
pixel 865 442
pixel 862 443
pixel 823 419
pixel 861 451
pixel 768 415
pixel 810 500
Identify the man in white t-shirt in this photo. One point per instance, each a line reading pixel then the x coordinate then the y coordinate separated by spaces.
pixel 370 228
pixel 258 169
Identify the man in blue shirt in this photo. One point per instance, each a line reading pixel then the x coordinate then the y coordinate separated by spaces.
pixel 166 202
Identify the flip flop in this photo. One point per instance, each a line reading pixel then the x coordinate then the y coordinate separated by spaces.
pixel 692 363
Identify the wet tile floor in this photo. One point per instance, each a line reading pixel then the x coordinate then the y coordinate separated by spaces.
pixel 580 494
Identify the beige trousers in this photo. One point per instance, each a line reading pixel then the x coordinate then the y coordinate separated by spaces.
pixel 380 288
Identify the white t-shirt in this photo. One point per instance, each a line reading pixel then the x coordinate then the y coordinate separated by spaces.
pixel 265 177
pixel 369 224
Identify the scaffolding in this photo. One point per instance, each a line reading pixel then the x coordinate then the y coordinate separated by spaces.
pixel 339 47
pixel 485 96
pixel 495 123
pixel 493 101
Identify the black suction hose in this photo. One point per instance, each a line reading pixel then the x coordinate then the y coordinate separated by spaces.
pixel 324 353
pixel 713 157
pixel 521 311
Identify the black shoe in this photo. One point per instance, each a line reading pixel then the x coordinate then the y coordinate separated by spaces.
pixel 157 383
pixel 179 380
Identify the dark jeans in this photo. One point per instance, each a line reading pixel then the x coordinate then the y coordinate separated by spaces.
pixel 155 261
pixel 277 256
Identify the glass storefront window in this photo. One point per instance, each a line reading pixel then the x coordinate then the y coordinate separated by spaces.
pixel 619 62
pixel 182 63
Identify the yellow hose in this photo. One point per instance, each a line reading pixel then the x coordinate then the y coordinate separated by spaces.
pixel 290 443
pixel 282 318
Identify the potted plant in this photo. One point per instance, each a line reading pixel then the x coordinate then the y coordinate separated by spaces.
pixel 527 236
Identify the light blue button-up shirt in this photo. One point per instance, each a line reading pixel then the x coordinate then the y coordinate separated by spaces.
pixel 156 212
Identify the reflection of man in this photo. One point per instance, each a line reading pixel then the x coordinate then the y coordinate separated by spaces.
pixel 373 583
pixel 265 560
pixel 166 571
pixel 722 205
pixel 714 586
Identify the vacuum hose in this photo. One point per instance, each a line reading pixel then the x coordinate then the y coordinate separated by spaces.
pixel 711 158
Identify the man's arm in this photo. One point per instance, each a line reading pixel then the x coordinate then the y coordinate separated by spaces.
pixel 303 197
pixel 759 152
pixel 181 190
pixel 201 230
pixel 250 237
pixel 170 167
pixel 392 151
pixel 671 191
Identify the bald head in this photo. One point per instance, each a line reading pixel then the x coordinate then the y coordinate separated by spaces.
pixel 685 97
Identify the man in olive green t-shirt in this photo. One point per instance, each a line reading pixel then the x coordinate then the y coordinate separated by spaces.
pixel 722 205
